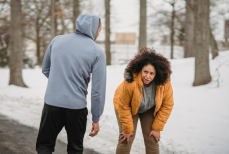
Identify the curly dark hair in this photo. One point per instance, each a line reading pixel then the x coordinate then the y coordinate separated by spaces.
pixel 149 56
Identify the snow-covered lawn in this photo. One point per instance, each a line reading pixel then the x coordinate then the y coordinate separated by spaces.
pixel 199 122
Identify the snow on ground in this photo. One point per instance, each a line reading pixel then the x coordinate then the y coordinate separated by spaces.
pixel 199 122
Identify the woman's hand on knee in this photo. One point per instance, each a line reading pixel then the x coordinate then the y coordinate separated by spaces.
pixel 156 135
pixel 124 136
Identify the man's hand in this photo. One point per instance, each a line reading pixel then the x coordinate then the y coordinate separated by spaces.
pixel 94 129
pixel 156 135
pixel 124 136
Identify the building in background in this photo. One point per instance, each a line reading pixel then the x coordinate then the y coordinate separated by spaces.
pixel 123 47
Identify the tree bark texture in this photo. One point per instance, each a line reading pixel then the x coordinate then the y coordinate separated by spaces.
pixel 107 32
pixel 76 12
pixel 189 29
pixel 16 55
pixel 53 18
pixel 172 30
pixel 56 8
pixel 39 61
pixel 202 35
pixel 142 25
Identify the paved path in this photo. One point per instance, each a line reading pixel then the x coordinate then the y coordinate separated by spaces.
pixel 19 139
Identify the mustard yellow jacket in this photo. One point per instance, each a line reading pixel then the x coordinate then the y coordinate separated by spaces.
pixel 127 100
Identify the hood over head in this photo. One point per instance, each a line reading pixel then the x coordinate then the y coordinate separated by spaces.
pixel 87 24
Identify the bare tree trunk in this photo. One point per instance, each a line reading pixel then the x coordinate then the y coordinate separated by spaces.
pixel 189 30
pixel 225 32
pixel 172 29
pixel 142 26
pixel 76 12
pixel 16 55
pixel 56 7
pixel 107 32
pixel 53 18
pixel 202 73
pixel 38 47
pixel 213 45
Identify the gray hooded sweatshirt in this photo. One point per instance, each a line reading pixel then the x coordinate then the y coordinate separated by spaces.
pixel 68 63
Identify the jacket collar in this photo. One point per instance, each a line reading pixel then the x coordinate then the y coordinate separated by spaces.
pixel 138 79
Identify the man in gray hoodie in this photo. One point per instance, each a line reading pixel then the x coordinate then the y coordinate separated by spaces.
pixel 68 63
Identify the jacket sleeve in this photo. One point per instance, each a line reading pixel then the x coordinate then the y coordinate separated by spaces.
pixel 98 90
pixel 165 110
pixel 124 110
pixel 47 60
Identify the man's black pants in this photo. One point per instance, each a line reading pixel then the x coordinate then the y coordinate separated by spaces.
pixel 53 120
